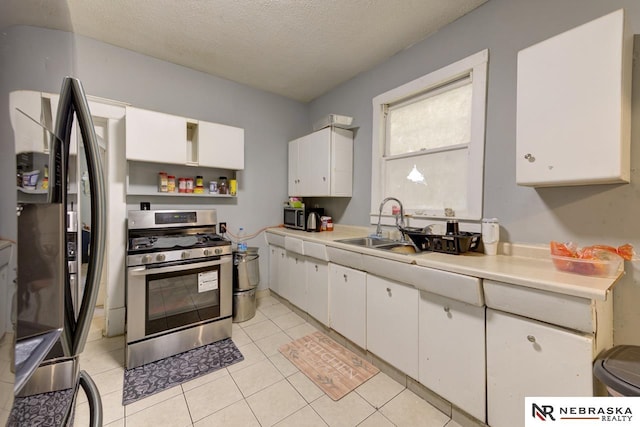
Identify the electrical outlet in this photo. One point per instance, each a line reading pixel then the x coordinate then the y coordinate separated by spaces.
pixel 223 227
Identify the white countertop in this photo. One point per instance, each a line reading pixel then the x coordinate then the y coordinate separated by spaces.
pixel 528 266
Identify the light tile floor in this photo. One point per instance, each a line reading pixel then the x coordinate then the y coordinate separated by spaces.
pixel 265 389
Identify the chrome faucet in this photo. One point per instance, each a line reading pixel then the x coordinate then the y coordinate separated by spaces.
pixel 399 219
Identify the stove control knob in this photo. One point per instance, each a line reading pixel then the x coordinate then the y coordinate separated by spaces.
pixel 218 251
pixel 184 255
pixel 160 257
pixel 206 252
pixel 146 259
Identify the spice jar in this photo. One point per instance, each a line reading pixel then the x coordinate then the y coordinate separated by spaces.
pixel 189 182
pixel 162 182
pixel 182 185
pixel 222 185
pixel 329 224
pixel 171 184
pixel 213 187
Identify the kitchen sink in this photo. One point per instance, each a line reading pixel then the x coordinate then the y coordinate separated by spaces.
pixel 398 247
pixel 381 243
pixel 367 242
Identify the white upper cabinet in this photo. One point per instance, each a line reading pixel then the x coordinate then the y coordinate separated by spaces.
pixel 220 146
pixel 573 106
pixel 321 164
pixel 155 137
pixel 165 138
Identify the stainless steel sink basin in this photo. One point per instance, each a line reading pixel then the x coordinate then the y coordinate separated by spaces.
pixel 398 247
pixel 367 242
pixel 381 243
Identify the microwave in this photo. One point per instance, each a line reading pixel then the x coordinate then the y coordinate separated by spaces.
pixel 294 218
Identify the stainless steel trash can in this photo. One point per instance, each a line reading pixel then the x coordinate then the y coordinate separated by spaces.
pixel 619 370
pixel 244 305
pixel 246 269
pixel 246 277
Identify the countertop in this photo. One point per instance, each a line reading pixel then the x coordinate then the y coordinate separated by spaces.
pixel 524 265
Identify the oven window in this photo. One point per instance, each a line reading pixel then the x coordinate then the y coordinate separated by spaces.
pixel 182 298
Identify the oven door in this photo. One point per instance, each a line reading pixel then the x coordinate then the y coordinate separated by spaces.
pixel 166 299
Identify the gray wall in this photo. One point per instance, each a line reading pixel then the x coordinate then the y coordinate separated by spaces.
pixel 607 214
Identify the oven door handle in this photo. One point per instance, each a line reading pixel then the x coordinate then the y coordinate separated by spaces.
pixel 144 271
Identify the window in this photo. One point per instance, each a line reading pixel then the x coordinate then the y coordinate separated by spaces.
pixel 428 143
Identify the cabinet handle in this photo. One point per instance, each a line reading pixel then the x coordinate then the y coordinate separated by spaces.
pixel 282 255
pixel 446 309
pixel 530 157
pixel 324 178
pixel 531 338
pixel 316 268
pixel 389 291
pixel 345 277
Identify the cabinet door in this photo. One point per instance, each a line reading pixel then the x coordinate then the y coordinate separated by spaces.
pixel 276 253
pixel 392 323
pixel 347 303
pixel 529 358
pixel 155 137
pixel 341 162
pixel 293 181
pixel 314 163
pixel 296 288
pixel 318 289
pixel 573 106
pixel 25 113
pixel 452 351
pixel 220 146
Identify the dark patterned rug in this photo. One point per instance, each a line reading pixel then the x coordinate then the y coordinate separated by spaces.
pixel 46 409
pixel 155 377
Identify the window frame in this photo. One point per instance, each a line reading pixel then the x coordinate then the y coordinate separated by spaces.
pixel 475 66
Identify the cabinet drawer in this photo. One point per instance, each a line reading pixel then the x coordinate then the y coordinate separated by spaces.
pixel 274 239
pixel 563 310
pixel 294 245
pixel 451 285
pixel 316 250
pixel 346 258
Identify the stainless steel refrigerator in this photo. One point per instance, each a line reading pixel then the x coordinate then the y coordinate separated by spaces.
pixel 54 313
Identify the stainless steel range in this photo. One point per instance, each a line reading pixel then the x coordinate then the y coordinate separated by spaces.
pixel 179 283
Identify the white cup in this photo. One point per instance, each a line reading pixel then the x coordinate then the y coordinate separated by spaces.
pixel 490 235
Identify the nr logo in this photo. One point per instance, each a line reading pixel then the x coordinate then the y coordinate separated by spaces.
pixel 542 412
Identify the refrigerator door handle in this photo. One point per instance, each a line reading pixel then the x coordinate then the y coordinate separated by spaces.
pixel 93 397
pixel 73 99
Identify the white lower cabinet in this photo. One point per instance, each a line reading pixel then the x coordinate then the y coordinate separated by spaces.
pixel 452 351
pixel 392 323
pixel 347 303
pixel 295 289
pixel 277 269
pixel 530 358
pixel 318 289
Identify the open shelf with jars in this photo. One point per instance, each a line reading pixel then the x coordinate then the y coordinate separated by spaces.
pixel 143 179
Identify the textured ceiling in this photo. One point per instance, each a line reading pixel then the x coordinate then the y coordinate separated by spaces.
pixel 296 48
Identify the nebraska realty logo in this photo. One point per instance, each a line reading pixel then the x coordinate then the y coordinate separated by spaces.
pixel 581 411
